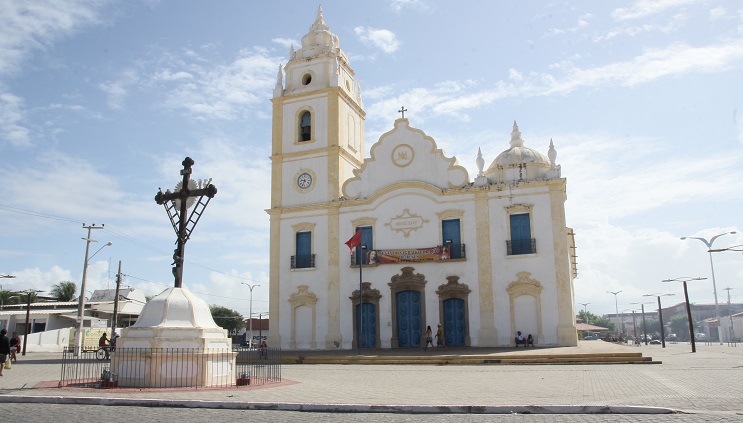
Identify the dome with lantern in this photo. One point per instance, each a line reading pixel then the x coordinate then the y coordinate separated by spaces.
pixel 522 163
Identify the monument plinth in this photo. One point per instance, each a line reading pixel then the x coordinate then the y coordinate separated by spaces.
pixel 175 342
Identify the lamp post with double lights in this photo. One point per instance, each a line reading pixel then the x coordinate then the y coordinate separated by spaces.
pixel 81 300
pixel 584 308
pixel 688 307
pixel 644 327
pixel 250 318
pixel 660 316
pixel 616 304
pixel 712 267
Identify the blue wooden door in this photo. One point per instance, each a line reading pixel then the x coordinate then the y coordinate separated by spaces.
pixel 454 324
pixel 368 325
pixel 409 318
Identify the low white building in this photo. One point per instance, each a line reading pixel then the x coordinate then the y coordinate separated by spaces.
pixel 485 258
pixel 47 316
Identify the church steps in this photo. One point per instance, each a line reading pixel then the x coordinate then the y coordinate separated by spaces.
pixel 598 358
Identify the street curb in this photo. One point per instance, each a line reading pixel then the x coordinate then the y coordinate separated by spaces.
pixel 341 408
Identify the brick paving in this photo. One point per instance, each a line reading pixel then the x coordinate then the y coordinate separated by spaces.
pixel 705 382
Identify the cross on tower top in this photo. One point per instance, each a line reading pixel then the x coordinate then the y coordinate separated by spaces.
pixel 402 110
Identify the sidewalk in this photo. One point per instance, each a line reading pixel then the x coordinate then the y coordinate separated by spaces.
pixel 707 381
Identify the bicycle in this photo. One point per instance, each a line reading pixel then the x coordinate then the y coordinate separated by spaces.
pixel 104 353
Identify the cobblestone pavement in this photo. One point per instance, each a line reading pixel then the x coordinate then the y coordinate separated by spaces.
pixel 707 382
pixel 73 413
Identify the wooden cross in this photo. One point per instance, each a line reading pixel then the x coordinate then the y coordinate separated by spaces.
pixel 402 110
pixel 179 212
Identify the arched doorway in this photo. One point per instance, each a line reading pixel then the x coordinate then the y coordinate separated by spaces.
pixel 368 313
pixel 408 311
pixel 454 309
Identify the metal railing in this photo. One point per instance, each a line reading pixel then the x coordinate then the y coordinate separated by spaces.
pixel 171 368
pixel 303 261
pixel 521 246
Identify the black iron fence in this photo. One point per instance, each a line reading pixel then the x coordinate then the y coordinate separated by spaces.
pixel 170 368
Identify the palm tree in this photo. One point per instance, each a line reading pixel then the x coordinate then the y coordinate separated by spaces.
pixel 7 297
pixel 64 291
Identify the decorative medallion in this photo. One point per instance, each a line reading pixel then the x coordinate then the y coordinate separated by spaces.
pixel 406 223
pixel 403 155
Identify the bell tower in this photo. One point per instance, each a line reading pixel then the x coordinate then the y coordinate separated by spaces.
pixel 318 122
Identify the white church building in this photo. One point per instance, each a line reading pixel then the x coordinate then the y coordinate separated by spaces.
pixel 485 258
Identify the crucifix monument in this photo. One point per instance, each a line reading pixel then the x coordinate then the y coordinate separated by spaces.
pixel 176 320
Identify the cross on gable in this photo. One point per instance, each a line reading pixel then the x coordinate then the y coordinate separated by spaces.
pixel 402 110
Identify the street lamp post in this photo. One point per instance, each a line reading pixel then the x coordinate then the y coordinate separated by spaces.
pixel 712 267
pixel 250 319
pixel 660 316
pixel 616 304
pixel 644 327
pixel 81 300
pixel 584 308
pixel 688 307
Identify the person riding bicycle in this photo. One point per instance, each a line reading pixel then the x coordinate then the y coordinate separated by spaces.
pixel 103 343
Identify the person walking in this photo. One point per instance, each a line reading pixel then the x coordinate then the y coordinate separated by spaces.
pixel 429 338
pixel 15 346
pixel 4 349
pixel 440 342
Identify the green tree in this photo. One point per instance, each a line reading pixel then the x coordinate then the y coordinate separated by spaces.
pixel 64 291
pixel 680 326
pixel 226 318
pixel 595 320
pixel 7 297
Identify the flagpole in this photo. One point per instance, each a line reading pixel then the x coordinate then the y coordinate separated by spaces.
pixel 361 296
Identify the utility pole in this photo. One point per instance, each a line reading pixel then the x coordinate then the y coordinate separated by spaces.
pixel 81 300
pixel 116 304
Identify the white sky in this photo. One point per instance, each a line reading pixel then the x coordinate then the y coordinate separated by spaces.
pixel 100 101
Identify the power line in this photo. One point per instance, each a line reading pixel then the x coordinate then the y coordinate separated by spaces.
pixel 121 235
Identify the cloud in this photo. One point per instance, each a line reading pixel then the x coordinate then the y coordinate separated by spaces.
pixel 419 5
pixel 598 164
pixel 197 84
pixel 118 90
pixel 286 42
pixel 454 98
pixel 11 116
pixel 645 8
pixel 35 25
pixel 219 90
pixel 382 39
pixel 717 13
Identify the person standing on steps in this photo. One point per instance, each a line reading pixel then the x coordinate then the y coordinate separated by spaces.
pixel 429 338
pixel 440 342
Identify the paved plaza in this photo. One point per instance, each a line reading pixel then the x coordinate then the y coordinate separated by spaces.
pixel 707 382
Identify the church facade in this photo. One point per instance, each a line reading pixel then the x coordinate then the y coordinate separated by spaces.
pixel 484 257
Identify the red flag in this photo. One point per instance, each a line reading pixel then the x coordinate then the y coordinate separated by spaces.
pixel 355 240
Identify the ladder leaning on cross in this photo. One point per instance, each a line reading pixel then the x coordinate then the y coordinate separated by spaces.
pixel 177 203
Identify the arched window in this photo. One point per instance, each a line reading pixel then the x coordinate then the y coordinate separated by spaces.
pixel 305 127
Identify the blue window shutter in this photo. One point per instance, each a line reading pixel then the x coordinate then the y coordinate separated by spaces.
pixel 520 234
pixel 304 249
pixel 450 231
pixel 367 238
